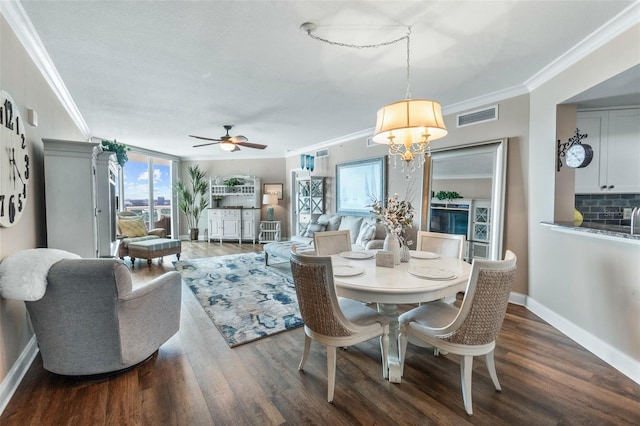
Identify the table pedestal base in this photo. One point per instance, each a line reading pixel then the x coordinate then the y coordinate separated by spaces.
pixel 391 311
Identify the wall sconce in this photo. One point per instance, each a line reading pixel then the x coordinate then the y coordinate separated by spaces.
pixel 270 200
pixel 306 162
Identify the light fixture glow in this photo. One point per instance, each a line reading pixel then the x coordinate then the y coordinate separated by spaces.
pixel 227 146
pixel 409 126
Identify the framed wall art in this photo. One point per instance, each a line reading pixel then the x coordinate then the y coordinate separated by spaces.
pixel 273 188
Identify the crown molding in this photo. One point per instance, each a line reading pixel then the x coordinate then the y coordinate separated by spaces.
pixel 21 25
pixel 336 141
pixel 617 25
pixel 490 98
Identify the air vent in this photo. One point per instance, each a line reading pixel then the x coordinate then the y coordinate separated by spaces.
pixel 479 116
pixel 322 153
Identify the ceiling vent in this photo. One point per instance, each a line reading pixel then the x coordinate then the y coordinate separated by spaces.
pixel 478 116
pixel 322 153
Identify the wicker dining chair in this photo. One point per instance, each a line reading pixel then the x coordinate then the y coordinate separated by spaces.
pixel 331 320
pixel 451 245
pixel 331 242
pixel 471 330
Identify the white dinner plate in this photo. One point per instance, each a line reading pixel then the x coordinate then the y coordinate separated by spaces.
pixel 432 273
pixel 356 255
pixel 347 271
pixel 424 254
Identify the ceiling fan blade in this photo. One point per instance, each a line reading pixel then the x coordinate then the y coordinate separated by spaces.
pixel 251 145
pixel 236 148
pixel 239 138
pixel 205 144
pixel 203 138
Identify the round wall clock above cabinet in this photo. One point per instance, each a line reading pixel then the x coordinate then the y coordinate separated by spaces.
pixel 15 162
pixel 579 155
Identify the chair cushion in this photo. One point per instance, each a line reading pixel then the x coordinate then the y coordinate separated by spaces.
pixel 360 314
pixel 351 223
pixel 133 227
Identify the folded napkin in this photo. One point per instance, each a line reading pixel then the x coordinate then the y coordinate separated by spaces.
pixel 23 275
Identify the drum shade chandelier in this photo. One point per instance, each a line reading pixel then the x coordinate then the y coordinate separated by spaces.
pixel 407 126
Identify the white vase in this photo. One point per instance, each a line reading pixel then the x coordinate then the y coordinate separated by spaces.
pixel 392 244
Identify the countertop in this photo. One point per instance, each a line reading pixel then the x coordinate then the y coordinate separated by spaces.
pixel 599 229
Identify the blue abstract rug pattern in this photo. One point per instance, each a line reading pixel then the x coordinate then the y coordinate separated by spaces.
pixel 245 300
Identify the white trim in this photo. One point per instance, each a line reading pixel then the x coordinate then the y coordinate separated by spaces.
pixel 15 375
pixel 613 28
pixel 336 141
pixel 489 98
pixel 518 299
pixel 21 25
pixel 603 350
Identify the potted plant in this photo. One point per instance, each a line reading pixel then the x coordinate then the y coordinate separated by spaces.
pixel 191 198
pixel 119 149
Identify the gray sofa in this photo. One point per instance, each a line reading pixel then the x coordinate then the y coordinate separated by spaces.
pixel 366 234
pixel 91 321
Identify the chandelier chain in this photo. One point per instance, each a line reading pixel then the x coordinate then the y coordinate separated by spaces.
pixel 373 46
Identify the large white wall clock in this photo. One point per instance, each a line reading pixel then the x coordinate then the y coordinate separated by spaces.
pixel 15 163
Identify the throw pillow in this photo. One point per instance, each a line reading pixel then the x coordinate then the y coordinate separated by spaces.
pixel 367 233
pixel 334 222
pixel 352 223
pixel 132 227
pixel 313 228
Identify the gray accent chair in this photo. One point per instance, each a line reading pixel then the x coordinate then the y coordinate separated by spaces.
pixel 91 321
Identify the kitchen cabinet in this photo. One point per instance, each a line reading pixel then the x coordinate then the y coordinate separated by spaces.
pixel 613 135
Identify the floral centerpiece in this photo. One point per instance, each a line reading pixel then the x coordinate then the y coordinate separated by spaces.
pixel 397 216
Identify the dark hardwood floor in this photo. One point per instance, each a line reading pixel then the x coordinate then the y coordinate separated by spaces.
pixel 196 379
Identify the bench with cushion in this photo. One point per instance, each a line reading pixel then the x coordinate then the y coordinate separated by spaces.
pixel 150 249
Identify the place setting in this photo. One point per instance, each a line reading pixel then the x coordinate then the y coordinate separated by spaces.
pixel 423 254
pixel 356 255
pixel 347 271
pixel 432 273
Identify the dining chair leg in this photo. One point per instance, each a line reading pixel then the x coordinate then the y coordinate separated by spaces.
pixel 491 366
pixel 305 354
pixel 466 368
pixel 402 350
pixel 331 372
pixel 384 348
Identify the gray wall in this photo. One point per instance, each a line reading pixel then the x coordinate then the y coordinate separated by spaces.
pixel 23 81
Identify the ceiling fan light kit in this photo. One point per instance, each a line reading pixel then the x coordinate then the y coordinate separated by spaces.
pixel 407 126
pixel 229 143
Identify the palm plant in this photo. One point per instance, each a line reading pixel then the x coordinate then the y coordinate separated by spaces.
pixel 192 199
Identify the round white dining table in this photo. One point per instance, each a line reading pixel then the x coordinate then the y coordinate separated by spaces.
pixel 404 283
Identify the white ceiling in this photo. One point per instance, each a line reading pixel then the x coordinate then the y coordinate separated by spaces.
pixel 149 73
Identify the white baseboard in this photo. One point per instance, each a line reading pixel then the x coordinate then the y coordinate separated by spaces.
pixel 603 350
pixel 13 378
pixel 518 299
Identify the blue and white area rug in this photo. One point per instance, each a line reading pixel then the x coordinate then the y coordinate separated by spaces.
pixel 245 300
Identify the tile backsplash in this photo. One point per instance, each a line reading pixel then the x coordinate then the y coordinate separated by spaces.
pixel 605 208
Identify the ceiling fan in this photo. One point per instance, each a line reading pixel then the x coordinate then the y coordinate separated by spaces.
pixel 228 142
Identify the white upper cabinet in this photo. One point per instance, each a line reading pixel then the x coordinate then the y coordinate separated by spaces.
pixel 614 136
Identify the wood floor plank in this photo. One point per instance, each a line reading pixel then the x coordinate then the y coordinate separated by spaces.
pixel 196 379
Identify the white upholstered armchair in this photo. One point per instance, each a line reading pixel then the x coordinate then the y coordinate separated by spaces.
pixel 92 321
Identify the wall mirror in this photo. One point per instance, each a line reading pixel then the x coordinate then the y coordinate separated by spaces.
pixel 477 173
pixel 358 184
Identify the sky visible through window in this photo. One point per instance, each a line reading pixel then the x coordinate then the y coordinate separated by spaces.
pixel 136 181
